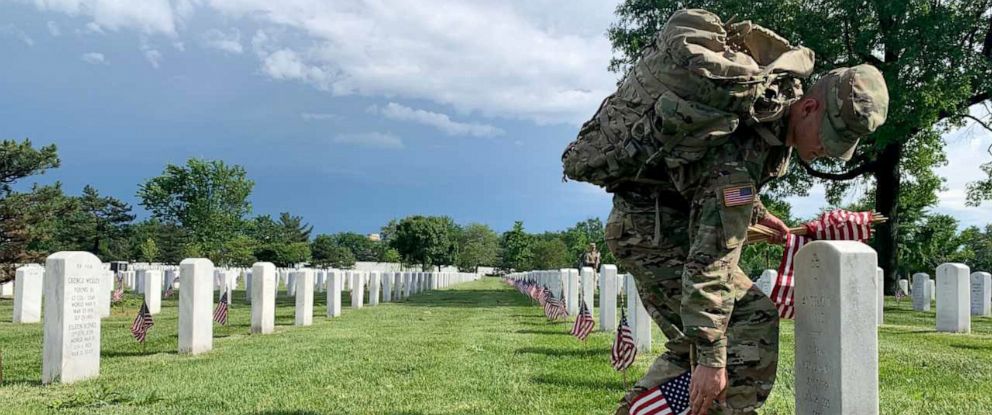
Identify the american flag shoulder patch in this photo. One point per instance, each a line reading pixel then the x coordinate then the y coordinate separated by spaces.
pixel 738 194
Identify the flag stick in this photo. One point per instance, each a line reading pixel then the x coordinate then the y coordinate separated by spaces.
pixel 625 379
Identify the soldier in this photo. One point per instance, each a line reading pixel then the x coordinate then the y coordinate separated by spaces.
pixel 591 257
pixel 681 237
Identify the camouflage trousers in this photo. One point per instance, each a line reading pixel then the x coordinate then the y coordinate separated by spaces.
pixel 657 266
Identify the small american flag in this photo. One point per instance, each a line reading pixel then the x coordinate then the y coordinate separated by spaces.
pixel 838 225
pixel 899 294
pixel 738 195
pixel 554 308
pixel 119 291
pixel 169 291
pixel 220 313
pixel 142 322
pixel 671 398
pixel 583 323
pixel 624 351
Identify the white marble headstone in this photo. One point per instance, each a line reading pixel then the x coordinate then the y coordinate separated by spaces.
pixel 954 298
pixel 335 281
pixel 981 294
pixel 836 360
pixel 196 323
pixel 28 286
pixel 153 290
pixel 263 302
pixel 607 298
pixel 921 292
pixel 71 344
pixel 304 297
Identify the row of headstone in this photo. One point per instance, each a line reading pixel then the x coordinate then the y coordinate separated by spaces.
pixel 572 284
pixel 75 282
pixel 956 289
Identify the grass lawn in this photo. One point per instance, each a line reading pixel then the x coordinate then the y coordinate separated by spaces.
pixel 477 348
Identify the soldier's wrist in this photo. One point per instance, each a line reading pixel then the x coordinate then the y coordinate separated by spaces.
pixel 712 355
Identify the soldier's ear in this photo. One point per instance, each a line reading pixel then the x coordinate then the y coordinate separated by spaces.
pixel 809 106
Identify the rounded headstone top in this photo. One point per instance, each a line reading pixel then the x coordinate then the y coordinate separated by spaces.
pixel 921 274
pixel 197 261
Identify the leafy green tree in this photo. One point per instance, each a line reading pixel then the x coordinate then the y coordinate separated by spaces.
pixel 96 224
pixel 363 248
pixel 935 57
pixel 390 255
pixel 170 239
pixel 20 213
pixel 293 228
pixel 327 253
pixel 149 250
pixel 426 240
pixel 976 250
pixel 550 253
pixel 285 255
pixel 207 198
pixel 934 242
pixel 515 248
pixel 477 245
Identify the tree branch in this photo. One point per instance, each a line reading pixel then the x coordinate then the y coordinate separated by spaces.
pixel 980 122
pixel 856 172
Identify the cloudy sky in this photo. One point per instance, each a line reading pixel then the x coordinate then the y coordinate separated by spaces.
pixel 348 112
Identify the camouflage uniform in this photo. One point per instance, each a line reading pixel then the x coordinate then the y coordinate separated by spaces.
pixel 679 236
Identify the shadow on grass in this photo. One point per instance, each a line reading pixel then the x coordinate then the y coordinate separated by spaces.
pixel 972 346
pixel 548 351
pixel 290 412
pixel 597 384
pixel 130 353
pixel 555 333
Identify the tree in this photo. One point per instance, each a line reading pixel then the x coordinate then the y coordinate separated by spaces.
pixel 96 224
pixel 935 57
pixel 293 228
pixel 149 250
pixel 515 248
pixel 20 212
pixel 171 240
pixel 426 240
pixel 363 248
pixel 327 253
pixel 550 252
pixel 207 198
pixel 477 245
pixel 285 255
pixel 238 251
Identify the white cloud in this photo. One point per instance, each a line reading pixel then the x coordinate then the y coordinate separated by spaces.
pixel 146 16
pixel 521 59
pixel 318 116
pixel 93 27
pixel 227 42
pixel 94 58
pixel 53 29
pixel 154 57
pixel 966 150
pixel 17 33
pixel 435 119
pixel 375 140
pixel 497 58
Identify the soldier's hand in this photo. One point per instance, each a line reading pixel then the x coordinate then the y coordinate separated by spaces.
pixel 777 225
pixel 707 385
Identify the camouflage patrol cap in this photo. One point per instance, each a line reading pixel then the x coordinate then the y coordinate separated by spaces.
pixel 857 104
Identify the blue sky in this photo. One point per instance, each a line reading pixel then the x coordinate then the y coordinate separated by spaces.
pixel 349 112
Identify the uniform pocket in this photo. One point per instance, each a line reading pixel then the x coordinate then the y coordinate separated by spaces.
pixel 737 196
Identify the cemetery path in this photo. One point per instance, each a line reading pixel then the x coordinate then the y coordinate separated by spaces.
pixel 476 348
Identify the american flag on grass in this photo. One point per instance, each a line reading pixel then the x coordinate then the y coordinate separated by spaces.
pixel 671 398
pixel 837 225
pixel 119 291
pixel 554 308
pixel 169 291
pixel 624 351
pixel 142 322
pixel 583 323
pixel 220 313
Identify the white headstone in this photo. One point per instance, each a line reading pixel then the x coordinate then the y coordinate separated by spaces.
pixel 248 282
pixel 196 322
pixel 954 298
pixel 387 287
pixel 407 282
pixel 767 281
pixel 335 281
pixel 153 290
pixel 571 291
pixel 304 297
pixel 28 286
pixel 103 296
pixel 71 345
pixel 904 286
pixel 357 290
pixel 7 289
pixel 638 318
pixel 607 298
pixel 398 286
pixel 374 282
pixel 319 283
pixel 981 293
pixel 880 287
pixel 933 290
pixel 921 292
pixel 836 363
pixel 588 287
pixel 291 284
pixel 263 301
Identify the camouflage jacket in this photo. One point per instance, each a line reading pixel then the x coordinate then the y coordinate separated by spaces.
pixel 718 226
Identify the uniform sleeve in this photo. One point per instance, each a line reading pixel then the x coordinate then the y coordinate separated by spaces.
pixel 721 212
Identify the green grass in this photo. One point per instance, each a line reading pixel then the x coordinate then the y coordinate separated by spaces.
pixel 476 348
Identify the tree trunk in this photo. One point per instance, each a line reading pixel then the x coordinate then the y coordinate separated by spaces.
pixel 887 203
